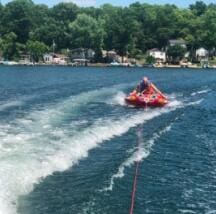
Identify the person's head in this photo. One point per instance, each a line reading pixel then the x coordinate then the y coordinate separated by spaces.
pixel 145 79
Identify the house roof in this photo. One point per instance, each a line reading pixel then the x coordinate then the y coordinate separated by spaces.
pixel 201 49
pixel 111 52
pixel 154 49
pixel 60 56
pixel 202 52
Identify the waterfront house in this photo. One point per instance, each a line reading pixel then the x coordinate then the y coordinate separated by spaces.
pixel 160 56
pixel 78 53
pixel 110 56
pixel 60 59
pixel 80 62
pixel 57 59
pixel 48 58
pixel 25 59
pixel 81 54
pixel 202 54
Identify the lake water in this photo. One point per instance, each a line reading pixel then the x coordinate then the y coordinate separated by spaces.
pixel 68 142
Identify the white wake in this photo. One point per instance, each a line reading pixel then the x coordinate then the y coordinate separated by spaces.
pixel 143 151
pixel 34 147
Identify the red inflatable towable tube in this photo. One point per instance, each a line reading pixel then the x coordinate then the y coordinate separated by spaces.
pixel 147 99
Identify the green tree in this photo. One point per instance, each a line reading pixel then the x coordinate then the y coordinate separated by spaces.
pixel 65 12
pixel 36 49
pixel 208 29
pixel 198 8
pixel 16 18
pixel 150 60
pixel 8 45
pixel 87 32
pixel 128 30
pixel 165 28
pixel 39 16
pixel 49 31
pixel 121 30
pixel 175 53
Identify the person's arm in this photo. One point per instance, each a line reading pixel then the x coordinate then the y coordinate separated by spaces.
pixel 137 88
pixel 135 91
pixel 158 91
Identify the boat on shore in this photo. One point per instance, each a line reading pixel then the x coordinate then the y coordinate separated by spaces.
pixel 8 63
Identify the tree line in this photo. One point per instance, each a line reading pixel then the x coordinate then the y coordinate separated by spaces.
pixel 31 28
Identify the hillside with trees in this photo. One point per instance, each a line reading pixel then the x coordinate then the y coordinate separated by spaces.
pixel 26 27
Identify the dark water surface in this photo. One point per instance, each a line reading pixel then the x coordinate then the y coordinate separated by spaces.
pixel 68 142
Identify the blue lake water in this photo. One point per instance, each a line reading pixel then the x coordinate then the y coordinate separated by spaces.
pixel 68 142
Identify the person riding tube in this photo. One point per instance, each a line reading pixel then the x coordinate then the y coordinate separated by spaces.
pixel 146 86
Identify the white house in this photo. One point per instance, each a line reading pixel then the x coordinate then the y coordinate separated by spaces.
pixel 48 58
pixel 201 53
pixel 58 59
pixel 160 56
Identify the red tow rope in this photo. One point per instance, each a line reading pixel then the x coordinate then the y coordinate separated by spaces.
pixel 135 182
pixel 134 188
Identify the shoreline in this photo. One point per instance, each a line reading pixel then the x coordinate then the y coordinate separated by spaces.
pixel 106 66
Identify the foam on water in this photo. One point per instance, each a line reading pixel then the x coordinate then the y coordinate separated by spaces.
pixel 56 112
pixel 19 101
pixel 143 151
pixel 197 102
pixel 118 99
pixel 9 104
pixel 200 92
pixel 34 147
pixel 187 211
